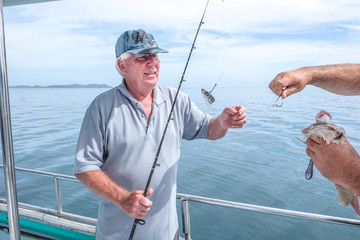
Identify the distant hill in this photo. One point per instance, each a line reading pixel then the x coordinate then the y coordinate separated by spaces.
pixel 65 86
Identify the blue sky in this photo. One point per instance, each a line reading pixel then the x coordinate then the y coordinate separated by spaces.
pixel 250 42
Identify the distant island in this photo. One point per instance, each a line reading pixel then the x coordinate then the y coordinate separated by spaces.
pixel 65 86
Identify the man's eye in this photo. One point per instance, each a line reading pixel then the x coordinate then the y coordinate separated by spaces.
pixel 147 58
pixel 142 59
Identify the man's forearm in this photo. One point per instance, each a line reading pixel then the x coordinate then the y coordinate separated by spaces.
pixel 341 79
pixel 99 183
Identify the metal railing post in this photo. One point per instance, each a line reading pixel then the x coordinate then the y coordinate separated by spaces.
pixel 58 195
pixel 186 218
pixel 7 142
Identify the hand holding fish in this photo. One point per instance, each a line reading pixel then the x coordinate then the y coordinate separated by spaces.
pixel 336 162
pixel 334 157
pixel 231 117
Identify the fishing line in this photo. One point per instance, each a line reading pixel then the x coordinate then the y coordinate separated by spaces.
pixel 155 164
pixel 208 97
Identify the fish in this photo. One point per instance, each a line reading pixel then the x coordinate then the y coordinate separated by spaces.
pixel 331 133
pixel 208 97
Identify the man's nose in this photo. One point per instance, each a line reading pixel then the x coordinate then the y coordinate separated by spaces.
pixel 153 59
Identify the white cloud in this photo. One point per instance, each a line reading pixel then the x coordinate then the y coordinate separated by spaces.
pixel 256 38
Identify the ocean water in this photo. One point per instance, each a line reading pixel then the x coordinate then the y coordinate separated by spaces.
pixel 263 163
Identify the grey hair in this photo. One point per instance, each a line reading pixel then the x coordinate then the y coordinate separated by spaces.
pixel 123 56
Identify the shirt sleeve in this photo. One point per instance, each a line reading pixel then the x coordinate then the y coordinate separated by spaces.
pixel 90 150
pixel 196 123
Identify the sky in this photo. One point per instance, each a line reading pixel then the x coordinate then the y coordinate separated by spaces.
pixel 240 44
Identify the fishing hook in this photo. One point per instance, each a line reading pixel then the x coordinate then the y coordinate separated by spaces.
pixel 277 105
pixel 155 164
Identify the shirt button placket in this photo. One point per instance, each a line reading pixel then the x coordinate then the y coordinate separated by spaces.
pixel 142 114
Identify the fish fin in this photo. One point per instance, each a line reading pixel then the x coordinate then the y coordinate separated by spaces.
pixel 345 196
pixel 300 139
pixel 355 204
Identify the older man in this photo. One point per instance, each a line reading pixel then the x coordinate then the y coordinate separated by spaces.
pixel 119 137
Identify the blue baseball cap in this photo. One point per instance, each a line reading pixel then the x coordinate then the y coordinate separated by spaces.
pixel 137 42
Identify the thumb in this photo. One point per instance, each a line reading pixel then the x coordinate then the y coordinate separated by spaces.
pixel 149 192
pixel 230 110
pixel 289 91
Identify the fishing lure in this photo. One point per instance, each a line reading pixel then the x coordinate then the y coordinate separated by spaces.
pixel 208 97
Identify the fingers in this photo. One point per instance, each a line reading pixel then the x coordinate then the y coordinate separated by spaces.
pixel 137 205
pixel 145 201
pixel 237 116
pixel 277 84
pixel 235 111
pixel 314 146
pixel 239 122
pixel 231 110
pixel 288 83
pixel 282 85
pixel 149 192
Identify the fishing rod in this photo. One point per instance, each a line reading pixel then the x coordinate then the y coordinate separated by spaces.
pixel 208 97
pixel 155 164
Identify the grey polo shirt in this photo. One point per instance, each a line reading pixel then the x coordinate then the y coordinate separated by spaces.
pixel 117 137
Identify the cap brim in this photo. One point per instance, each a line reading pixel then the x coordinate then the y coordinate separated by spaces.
pixel 148 51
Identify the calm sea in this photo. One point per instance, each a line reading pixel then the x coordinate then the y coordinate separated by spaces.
pixel 262 163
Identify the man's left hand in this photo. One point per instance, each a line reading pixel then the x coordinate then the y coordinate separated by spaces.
pixel 231 117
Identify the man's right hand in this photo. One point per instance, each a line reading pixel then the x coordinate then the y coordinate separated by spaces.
pixel 136 205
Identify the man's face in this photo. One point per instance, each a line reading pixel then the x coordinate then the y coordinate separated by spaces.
pixel 141 70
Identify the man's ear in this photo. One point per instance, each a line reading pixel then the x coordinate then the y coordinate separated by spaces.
pixel 121 65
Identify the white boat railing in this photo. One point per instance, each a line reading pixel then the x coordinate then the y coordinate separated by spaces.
pixel 54 217
pixel 59 211
pixel 87 225
pixel 185 198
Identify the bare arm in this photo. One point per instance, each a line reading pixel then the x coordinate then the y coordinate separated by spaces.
pixel 341 79
pixel 231 117
pixel 133 203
